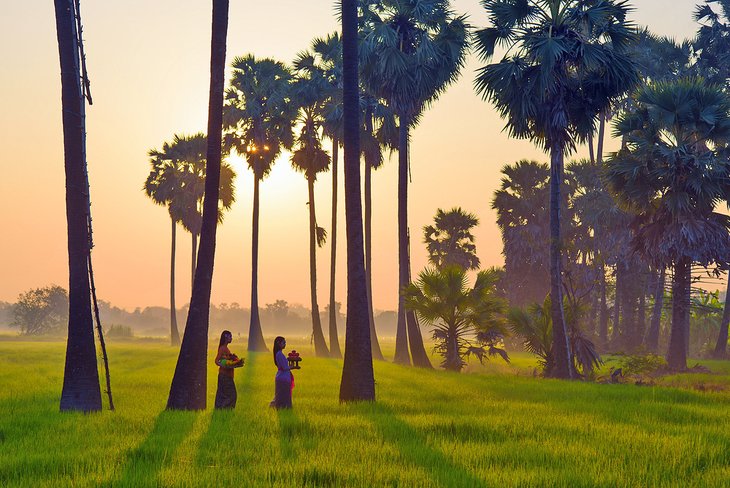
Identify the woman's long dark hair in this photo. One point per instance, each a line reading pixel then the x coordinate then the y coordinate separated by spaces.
pixel 277 346
pixel 224 338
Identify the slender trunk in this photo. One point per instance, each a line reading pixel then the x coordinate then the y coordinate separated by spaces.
pixel 601 136
pixel 335 351
pixel 628 323
pixel 415 340
pixel 591 153
pixel 721 346
pixel 652 337
pixel 81 389
pixel 561 347
pixel 617 294
pixel 374 343
pixel 189 384
pixel 603 325
pixel 320 344
pixel 401 338
pixel 677 352
pixel 256 340
pixel 358 381
pixel 174 333
pixel 641 321
pixel 194 258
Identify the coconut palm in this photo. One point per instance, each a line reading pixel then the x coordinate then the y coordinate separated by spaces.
pixel 412 50
pixel 566 60
pixel 450 241
pixel 188 389
pixel 80 377
pixel 310 159
pixel 358 381
pixel 259 115
pixel 465 321
pixel 673 173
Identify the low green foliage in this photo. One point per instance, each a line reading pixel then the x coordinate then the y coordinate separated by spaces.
pixel 501 427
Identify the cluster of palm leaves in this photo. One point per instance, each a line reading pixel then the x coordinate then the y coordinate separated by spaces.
pixel 650 207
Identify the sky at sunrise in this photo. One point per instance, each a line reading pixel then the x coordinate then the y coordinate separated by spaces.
pixel 148 63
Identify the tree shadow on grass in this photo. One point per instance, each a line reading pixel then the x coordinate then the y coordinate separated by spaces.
pixel 289 430
pixel 144 463
pixel 415 449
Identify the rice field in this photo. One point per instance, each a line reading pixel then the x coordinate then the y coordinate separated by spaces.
pixel 492 426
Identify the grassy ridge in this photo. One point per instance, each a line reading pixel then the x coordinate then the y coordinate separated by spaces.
pixel 428 428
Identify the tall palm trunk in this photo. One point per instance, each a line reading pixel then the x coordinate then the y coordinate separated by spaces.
pixel 81 389
pixel 603 321
pixel 453 361
pixel 401 338
pixel 617 299
pixel 601 137
pixel 677 352
pixel 721 346
pixel 652 337
pixel 174 333
pixel 256 340
pixel 335 351
pixel 561 347
pixel 641 320
pixel 194 248
pixel 415 340
pixel 358 381
pixel 188 389
pixel 320 344
pixel 374 343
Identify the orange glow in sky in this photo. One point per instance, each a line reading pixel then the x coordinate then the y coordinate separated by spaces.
pixel 148 63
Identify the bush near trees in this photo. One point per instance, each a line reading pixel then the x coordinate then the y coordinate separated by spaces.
pixel 41 310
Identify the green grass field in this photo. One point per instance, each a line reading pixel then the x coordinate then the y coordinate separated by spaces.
pixel 493 426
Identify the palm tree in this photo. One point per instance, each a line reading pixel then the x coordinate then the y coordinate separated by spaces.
pixel 259 114
pixel 522 205
pixel 720 351
pixel 465 321
pixel 711 46
pixel 412 51
pixel 672 173
pixel 188 389
pixel 450 241
pixel 162 185
pixel 325 59
pixel 310 159
pixel 80 377
pixel 566 61
pixel 358 381
pixel 177 180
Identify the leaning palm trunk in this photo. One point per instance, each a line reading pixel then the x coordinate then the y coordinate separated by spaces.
pixel 401 339
pixel 358 381
pixel 561 347
pixel 334 341
pixel 174 333
pixel 256 340
pixel 677 352
pixel 374 344
pixel 320 345
pixel 194 258
pixel 652 337
pixel 189 384
pixel 81 389
pixel 721 346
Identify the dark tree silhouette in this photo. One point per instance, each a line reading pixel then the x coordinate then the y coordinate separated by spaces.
pixel 358 381
pixel 188 389
pixel 81 389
